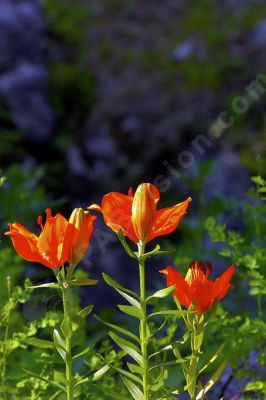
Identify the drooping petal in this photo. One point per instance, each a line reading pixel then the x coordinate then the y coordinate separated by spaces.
pixel 24 242
pixel 77 236
pixel 173 277
pixel 222 283
pixel 167 219
pixel 116 210
pixel 144 210
pixel 50 242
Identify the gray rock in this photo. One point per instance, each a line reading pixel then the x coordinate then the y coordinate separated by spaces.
pixel 23 78
pixel 258 35
pixel 21 32
pixel 24 88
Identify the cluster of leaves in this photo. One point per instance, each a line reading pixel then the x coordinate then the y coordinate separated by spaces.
pixel 245 332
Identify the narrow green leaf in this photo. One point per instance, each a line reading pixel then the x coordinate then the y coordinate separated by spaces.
pixel 135 369
pixel 111 282
pixel 66 327
pixel 54 396
pixel 168 363
pixel 119 329
pixel 133 389
pixel 77 390
pixel 167 312
pixel 83 380
pixel 158 329
pixel 60 344
pixel 59 377
pixel 83 282
pixel 162 252
pixel 160 294
pixel 98 374
pixel 42 344
pixel 76 322
pixel 212 381
pixel 213 358
pixel 124 243
pixel 173 345
pixel 82 353
pixel 150 253
pixel 127 346
pixel 49 381
pixel 45 285
pixel 127 374
pixel 111 393
pixel 159 381
pixel 133 311
pixel 81 315
pixel 130 299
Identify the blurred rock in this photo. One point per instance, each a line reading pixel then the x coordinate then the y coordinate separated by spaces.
pixel 258 35
pixel 21 32
pixel 23 80
pixel 24 88
pixel 184 50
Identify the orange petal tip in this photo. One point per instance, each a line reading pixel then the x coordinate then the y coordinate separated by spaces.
pixel 164 271
pixel 94 207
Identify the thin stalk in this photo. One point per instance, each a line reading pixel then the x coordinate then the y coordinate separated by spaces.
pixel 67 301
pixel 3 372
pixel 192 375
pixel 143 323
pixel 196 342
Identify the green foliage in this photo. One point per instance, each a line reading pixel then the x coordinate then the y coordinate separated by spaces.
pixel 22 196
pixel 244 333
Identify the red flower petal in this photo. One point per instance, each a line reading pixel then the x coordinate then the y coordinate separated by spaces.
pixel 50 242
pixel 167 219
pixel 222 284
pixel 24 242
pixel 116 210
pixel 173 277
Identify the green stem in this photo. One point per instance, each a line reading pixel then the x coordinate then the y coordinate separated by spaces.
pixel 67 301
pixel 192 376
pixel 143 322
pixel 196 342
pixel 3 372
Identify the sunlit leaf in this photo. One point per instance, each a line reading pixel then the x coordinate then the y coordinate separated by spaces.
pixel 81 315
pixel 133 389
pixel 127 346
pixel 130 299
pixel 119 329
pixel 211 381
pixel 133 311
pixel 160 294
pixel 60 344
pixel 100 373
pixel 111 282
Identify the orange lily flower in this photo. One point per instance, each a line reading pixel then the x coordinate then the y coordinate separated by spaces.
pixel 196 288
pixel 59 241
pixel 137 214
pixel 78 233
